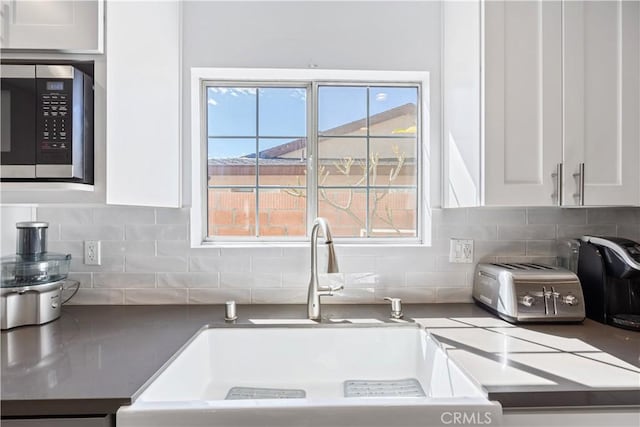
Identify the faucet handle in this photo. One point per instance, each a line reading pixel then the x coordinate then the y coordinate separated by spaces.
pixel 396 307
pixel 329 290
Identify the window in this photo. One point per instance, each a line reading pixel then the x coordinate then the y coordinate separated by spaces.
pixel 280 152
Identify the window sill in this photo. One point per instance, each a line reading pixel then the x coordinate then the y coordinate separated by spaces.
pixel 305 244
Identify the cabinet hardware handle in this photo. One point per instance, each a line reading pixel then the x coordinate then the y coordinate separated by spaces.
pixel 557 175
pixel 580 175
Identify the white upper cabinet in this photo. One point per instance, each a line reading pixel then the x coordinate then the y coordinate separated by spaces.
pixel 557 90
pixel 69 26
pixel 143 103
pixel 522 101
pixel 602 102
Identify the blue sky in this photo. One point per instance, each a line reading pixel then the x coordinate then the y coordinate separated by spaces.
pixel 282 113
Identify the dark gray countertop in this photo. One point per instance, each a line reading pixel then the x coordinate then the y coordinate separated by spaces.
pixel 95 358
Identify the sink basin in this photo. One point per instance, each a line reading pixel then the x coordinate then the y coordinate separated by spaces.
pixel 320 375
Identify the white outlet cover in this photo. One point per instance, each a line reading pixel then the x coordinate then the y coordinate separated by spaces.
pixel 461 251
pixel 92 252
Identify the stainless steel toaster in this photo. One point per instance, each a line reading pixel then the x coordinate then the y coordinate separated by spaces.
pixel 528 292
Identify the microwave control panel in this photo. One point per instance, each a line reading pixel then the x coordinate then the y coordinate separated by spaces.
pixel 56 106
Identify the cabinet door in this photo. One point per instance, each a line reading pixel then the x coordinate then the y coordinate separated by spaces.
pixel 522 101
pixel 71 26
pixel 143 103
pixel 602 101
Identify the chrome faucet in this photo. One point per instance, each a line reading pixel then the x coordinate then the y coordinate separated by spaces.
pixel 315 290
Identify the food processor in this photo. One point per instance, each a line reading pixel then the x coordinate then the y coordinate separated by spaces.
pixel 32 280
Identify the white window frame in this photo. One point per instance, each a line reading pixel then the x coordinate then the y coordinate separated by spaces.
pixel 200 76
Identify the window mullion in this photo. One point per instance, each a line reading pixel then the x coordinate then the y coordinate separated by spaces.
pixel 367 220
pixel 257 210
pixel 312 154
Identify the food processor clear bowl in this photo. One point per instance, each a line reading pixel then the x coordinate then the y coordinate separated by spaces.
pixel 19 270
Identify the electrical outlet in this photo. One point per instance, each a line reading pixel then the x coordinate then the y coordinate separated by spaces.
pixel 92 252
pixel 461 251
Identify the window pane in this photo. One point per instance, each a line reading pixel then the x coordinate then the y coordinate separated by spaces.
pixel 283 162
pixel 282 111
pixel 283 212
pixel 342 110
pixel 393 111
pixel 342 161
pixel 231 212
pixel 393 161
pixel 392 212
pixel 231 111
pixel 345 209
pixel 231 161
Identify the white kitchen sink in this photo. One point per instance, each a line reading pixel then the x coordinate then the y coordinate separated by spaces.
pixel 301 375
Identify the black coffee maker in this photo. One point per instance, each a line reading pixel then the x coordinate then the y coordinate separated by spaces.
pixel 609 272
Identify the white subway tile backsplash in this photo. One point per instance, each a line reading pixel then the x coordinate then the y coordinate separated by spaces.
pixel 613 216
pixel 155 296
pixel 75 216
pixel 188 280
pixel 527 232
pixel 152 264
pixel 295 280
pixel 219 296
pixel 504 216
pixel 351 296
pixel 279 296
pixel 128 247
pixel 108 264
pixel 219 264
pixel 182 248
pixel 291 264
pixel 124 215
pixel 53 232
pixel 124 280
pixel 541 248
pixel 476 232
pixel 91 232
pixel 443 264
pixel 576 231
pixel 75 248
pixel 361 280
pixel 267 251
pixel 85 279
pixel 556 216
pixel 483 249
pixel 449 216
pixel 98 297
pixel 435 279
pixel 453 295
pixel 357 264
pixel 156 232
pixel 172 216
pixel 391 278
pixel 250 280
pixel 147 258
pixel 393 263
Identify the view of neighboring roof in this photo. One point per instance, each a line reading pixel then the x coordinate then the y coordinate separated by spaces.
pixel 300 143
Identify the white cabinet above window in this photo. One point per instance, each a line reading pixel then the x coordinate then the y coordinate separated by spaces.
pixel 53 25
pixel 555 90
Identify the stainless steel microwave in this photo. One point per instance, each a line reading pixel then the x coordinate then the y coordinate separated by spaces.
pixel 46 131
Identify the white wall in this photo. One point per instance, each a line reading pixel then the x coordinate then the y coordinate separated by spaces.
pixel 377 35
